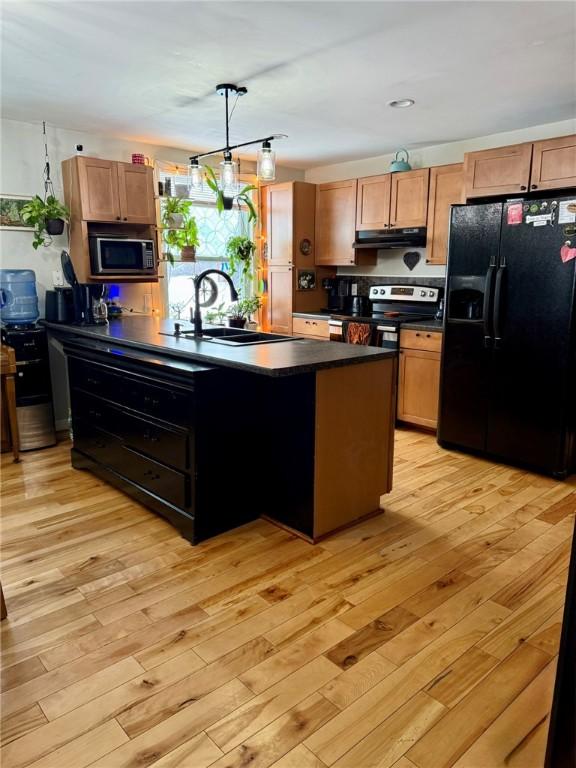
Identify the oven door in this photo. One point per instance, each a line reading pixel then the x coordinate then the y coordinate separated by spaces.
pixel 335 327
pixel 121 256
pixel 387 337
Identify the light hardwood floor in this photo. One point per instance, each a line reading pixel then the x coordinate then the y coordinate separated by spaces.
pixel 425 637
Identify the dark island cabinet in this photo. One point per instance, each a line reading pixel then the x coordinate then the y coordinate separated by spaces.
pixel 160 431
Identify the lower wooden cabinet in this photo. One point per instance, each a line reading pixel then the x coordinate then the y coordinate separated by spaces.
pixel 311 327
pixel 280 280
pixel 419 378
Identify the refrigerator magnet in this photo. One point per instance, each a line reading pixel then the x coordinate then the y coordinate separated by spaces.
pixel 567 212
pixel 515 213
pixel 567 253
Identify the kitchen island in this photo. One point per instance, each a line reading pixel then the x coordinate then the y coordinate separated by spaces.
pixel 213 435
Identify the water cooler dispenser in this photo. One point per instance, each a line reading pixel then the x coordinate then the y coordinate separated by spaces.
pixel 19 313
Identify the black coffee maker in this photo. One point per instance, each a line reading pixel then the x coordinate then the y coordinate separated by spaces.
pixel 89 304
pixel 339 289
pixel 88 298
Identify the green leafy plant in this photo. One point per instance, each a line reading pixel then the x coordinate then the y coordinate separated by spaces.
pixel 223 202
pixel 239 250
pixel 39 212
pixel 244 308
pixel 216 316
pixel 181 232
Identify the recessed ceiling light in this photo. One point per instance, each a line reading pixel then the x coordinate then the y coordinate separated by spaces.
pixel 401 103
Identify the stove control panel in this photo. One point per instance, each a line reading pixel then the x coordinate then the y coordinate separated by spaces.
pixel 414 293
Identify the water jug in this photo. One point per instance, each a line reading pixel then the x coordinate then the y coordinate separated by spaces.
pixel 18 297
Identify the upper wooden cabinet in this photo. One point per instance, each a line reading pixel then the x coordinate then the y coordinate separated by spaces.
pixel 336 225
pixel 499 171
pixel 289 219
pixel 554 163
pixel 446 189
pixel 106 190
pixel 136 193
pixel 409 198
pixel 373 202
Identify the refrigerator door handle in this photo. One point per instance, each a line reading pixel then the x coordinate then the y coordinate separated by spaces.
pixel 497 319
pixel 487 306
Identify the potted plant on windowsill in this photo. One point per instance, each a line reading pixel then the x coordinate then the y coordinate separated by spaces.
pixel 47 217
pixel 216 316
pixel 241 310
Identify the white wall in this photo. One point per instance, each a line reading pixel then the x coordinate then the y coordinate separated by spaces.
pixel 22 164
pixel 390 262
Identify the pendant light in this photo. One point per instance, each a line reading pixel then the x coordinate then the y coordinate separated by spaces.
pixel 266 170
pixel 196 178
pixel 229 175
pixel 229 182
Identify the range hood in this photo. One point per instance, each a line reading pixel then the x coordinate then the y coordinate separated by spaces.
pixel 409 237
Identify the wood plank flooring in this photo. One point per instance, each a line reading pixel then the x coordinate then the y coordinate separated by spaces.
pixel 424 638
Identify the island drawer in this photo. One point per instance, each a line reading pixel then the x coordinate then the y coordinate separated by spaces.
pixel 307 326
pixel 431 341
pixel 97 443
pixel 107 449
pixel 165 401
pixel 166 444
pixel 162 481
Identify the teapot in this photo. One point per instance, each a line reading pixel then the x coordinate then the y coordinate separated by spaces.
pixel 398 164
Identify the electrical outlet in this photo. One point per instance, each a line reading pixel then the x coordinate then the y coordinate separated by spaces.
pixel 58 278
pixel 147 299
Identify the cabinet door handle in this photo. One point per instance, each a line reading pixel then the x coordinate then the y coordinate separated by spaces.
pixel 534 186
pixel 125 218
pixel 117 218
pixel 522 187
pixel 417 334
pixel 428 336
pixel 151 475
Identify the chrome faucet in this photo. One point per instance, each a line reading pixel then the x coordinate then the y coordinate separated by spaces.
pixel 197 283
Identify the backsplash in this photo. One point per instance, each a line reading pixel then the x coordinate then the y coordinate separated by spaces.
pixel 365 282
pixel 390 263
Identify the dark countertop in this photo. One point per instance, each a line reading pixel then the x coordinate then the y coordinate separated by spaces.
pixel 425 325
pixel 278 359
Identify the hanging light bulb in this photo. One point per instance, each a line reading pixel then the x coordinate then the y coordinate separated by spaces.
pixel 196 177
pixel 266 163
pixel 229 175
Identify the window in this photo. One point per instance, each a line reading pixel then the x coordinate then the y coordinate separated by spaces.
pixel 214 231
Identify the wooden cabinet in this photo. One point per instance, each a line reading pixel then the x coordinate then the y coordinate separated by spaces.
pixel 280 223
pixel 289 230
pixel 409 198
pixel 336 225
pixel 373 202
pixel 499 171
pixel 553 164
pixel 136 193
pixel 311 327
pixel 98 187
pixel 446 189
pixel 280 292
pixel 419 377
pixel 109 191
pixel 111 198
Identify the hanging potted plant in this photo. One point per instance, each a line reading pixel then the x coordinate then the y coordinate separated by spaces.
pixel 225 202
pixel 240 311
pixel 47 217
pixel 239 250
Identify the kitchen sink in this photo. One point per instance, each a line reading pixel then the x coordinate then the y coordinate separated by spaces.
pixel 238 338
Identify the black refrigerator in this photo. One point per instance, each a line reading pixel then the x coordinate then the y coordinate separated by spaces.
pixel 508 383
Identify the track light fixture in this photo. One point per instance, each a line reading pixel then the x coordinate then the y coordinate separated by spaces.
pixel 266 169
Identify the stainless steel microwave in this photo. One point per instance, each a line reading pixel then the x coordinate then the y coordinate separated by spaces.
pixel 111 255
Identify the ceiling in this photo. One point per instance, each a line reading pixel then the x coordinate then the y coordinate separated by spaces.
pixel 322 72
